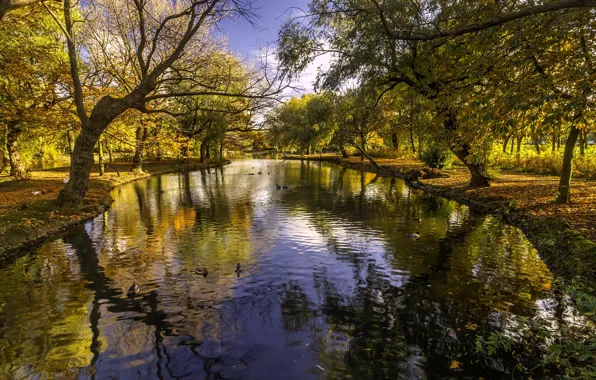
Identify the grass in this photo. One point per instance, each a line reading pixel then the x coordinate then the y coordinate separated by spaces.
pixel 547 163
pixel 27 217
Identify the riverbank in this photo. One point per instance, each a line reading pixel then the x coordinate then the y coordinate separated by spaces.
pixel 563 234
pixel 30 215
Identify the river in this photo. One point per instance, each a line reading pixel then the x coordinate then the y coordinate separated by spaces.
pixel 331 286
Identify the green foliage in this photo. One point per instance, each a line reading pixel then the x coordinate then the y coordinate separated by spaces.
pixel 548 163
pixel 436 155
pixel 303 123
pixel 569 351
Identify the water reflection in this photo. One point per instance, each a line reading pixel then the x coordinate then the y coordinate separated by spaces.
pixel 331 286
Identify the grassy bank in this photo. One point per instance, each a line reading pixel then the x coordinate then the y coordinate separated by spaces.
pixel 563 234
pixel 29 213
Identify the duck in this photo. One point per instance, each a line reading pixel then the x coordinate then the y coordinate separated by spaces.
pixel 238 269
pixel 278 186
pixel 133 290
pixel 203 272
pixel 413 235
pixel 160 191
pixel 259 173
pixel 285 187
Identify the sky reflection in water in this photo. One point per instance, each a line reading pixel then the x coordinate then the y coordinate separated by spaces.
pixel 331 286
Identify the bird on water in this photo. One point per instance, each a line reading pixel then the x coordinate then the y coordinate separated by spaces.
pixel 133 290
pixel 414 235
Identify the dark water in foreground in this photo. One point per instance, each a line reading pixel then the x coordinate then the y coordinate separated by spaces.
pixel 331 286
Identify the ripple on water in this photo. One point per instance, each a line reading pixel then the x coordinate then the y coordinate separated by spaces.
pixel 330 284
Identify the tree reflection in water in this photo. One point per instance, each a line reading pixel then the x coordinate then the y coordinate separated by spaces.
pixel 330 284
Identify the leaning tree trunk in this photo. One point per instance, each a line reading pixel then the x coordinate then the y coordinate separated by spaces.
pixel 141 138
pixel 364 154
pixel 14 157
pixel 564 194
pixel 462 151
pixel 80 165
pixel 106 110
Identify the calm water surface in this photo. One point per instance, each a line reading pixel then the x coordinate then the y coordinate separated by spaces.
pixel 331 286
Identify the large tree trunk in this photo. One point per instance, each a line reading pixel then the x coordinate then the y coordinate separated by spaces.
pixel 519 144
pixel 106 110
pixel 480 177
pixel 462 151
pixel 80 166
pixel 554 143
pixel 564 194
pixel 14 157
pixel 141 138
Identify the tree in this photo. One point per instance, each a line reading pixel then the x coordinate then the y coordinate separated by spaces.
pixel 148 50
pixel 359 119
pixel 305 124
pixel 443 50
pixel 12 5
pixel 32 76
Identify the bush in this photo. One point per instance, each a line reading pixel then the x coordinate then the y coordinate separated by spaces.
pixel 437 156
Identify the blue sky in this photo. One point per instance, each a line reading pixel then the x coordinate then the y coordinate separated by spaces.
pixel 247 39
